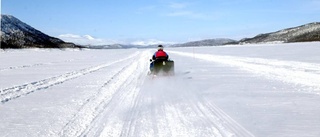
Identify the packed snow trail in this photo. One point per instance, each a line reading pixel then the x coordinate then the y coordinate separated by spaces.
pixel 126 80
pixel 128 106
pixel 303 74
pixel 157 109
pixel 127 103
pixel 167 106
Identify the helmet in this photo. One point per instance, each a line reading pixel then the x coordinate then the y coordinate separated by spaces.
pixel 160 47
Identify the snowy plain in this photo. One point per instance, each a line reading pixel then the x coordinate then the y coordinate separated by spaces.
pixel 266 90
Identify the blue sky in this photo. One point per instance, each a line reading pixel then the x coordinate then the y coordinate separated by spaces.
pixel 153 21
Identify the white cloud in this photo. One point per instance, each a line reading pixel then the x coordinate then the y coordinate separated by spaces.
pixel 89 37
pixel 176 5
pixel 70 36
pixel 188 14
pixel 182 13
pixel 146 9
pixel 185 10
pixel 149 42
pixel 85 39
pixel 89 40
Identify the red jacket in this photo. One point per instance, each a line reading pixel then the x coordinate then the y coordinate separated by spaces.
pixel 160 54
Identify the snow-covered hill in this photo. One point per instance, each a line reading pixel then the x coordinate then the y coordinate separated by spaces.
pixel 206 42
pixel 226 91
pixel 304 33
pixel 17 34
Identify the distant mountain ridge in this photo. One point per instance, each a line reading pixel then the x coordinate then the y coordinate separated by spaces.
pixel 303 33
pixel 17 34
pixel 206 42
pixel 112 46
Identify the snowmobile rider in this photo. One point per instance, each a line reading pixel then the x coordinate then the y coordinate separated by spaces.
pixel 159 55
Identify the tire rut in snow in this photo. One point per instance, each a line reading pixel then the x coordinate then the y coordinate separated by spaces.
pixel 192 115
pixel 226 121
pixel 168 107
pixel 11 93
pixel 121 90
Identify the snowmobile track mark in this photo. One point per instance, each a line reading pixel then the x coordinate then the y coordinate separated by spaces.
pixel 11 93
pixel 120 89
pixel 79 116
pixel 228 122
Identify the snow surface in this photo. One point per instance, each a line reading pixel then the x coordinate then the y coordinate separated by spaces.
pixel 268 90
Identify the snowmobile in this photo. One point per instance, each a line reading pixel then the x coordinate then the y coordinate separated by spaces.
pixel 162 67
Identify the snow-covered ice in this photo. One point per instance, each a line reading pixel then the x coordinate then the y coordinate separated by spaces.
pixel 266 90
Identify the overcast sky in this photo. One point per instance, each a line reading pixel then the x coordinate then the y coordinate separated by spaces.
pixel 144 21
